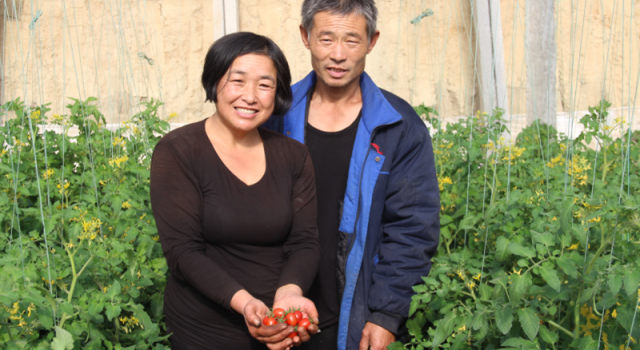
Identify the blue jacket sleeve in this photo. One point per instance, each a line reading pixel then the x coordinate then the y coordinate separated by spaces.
pixel 410 227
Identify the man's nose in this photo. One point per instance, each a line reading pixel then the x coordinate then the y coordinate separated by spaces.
pixel 338 53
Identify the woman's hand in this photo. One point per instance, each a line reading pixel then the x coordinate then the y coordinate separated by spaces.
pixel 254 310
pixel 290 297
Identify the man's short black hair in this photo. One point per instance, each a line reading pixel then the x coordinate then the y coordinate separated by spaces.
pixel 231 46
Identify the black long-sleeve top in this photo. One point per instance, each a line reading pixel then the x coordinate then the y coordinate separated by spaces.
pixel 220 235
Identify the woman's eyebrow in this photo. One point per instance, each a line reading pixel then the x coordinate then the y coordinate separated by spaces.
pixel 241 72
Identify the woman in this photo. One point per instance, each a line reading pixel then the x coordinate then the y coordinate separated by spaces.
pixel 235 207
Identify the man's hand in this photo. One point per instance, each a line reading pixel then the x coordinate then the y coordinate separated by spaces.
pixel 375 337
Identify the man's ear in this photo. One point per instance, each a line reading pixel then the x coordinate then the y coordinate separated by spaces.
pixel 304 35
pixel 373 41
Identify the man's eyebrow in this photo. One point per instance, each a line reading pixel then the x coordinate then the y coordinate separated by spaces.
pixel 349 34
pixel 325 32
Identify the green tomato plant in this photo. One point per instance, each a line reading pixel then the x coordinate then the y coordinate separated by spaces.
pixel 540 238
pixel 81 263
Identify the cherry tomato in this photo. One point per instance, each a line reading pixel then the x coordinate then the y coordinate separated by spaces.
pixel 304 323
pixel 298 314
pixel 292 334
pixel 291 319
pixel 269 321
pixel 278 312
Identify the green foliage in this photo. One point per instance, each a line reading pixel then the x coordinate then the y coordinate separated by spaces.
pixel 81 265
pixel 540 239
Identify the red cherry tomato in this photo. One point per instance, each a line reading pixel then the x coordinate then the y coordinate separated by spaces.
pixel 291 319
pixel 269 321
pixel 292 334
pixel 298 314
pixel 278 312
pixel 304 323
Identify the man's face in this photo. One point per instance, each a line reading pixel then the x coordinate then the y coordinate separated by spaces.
pixel 339 46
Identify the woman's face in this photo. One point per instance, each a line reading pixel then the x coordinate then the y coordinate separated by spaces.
pixel 246 93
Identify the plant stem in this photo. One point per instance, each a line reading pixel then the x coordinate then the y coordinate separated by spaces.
pixel 559 327
pixel 576 316
pixel 603 243
pixel 75 275
pixel 605 165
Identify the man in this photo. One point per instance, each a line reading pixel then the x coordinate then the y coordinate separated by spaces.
pixel 378 198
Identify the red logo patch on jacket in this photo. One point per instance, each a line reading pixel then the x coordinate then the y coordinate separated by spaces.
pixel 377 148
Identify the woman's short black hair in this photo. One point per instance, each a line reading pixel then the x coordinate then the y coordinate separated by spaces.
pixel 231 46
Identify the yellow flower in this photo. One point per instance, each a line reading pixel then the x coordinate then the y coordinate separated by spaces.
pixel 126 205
pixel 589 206
pixel 477 277
pixel 614 314
pixel 91 225
pixel 63 188
pixel 554 219
pixel 471 285
pixel 35 115
pixel 559 160
pixel 128 323
pixel 19 143
pixel 517 272
pixel 47 173
pixel 30 308
pixel 443 181
pixel 119 141
pixel 460 274
pixel 172 116
pixel 15 307
pixel 574 246
pixel 513 153
pixel 117 161
pixel 594 220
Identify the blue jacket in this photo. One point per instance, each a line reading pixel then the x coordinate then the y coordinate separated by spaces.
pixel 391 208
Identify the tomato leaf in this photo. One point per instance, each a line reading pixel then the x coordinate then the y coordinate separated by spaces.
pixel 112 311
pixel 63 340
pixel 550 276
pixel 502 245
pixel 444 329
pixel 518 343
pixel 567 265
pixel 631 281
pixel 504 319
pixel 520 250
pixel 529 321
pixel 519 286
pixel 614 282
pixel 548 336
